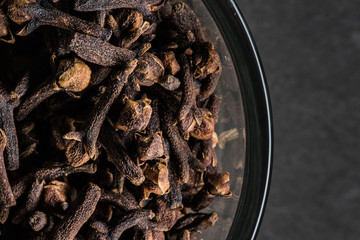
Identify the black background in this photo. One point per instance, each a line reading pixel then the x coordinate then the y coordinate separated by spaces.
pixel 311 55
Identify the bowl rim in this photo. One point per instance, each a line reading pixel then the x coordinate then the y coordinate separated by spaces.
pixel 269 118
pixel 258 118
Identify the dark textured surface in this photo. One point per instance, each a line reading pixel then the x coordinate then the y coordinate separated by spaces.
pixel 311 55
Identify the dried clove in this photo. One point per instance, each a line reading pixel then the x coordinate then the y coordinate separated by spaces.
pixel 124 200
pixel 144 6
pixel 59 126
pixel 154 123
pixel 184 19
pixel 206 129
pixel 129 19
pixel 216 185
pixel 165 217
pixel 140 105
pixel 208 85
pixel 149 70
pixel 78 214
pixel 170 82
pixel 214 106
pixel 134 35
pixel 129 220
pixel 180 40
pixel 4 213
pixel 5 32
pixel 157 179
pixel 135 116
pixel 76 153
pixel 208 155
pixel 196 183
pixel 188 96
pixel 180 150
pixel 37 221
pixel 130 91
pixel 31 203
pixel 3 24
pixel 38 13
pixel 114 26
pixel 98 51
pixel 206 61
pixel 142 49
pixel 8 102
pixel 7 198
pixel 99 231
pixel 117 154
pixel 73 75
pixel 100 17
pixel 196 222
pixel 178 147
pixel 187 220
pixel 48 174
pixel 170 63
pixel 58 195
pixel 174 198
pixel 150 147
pixel 185 235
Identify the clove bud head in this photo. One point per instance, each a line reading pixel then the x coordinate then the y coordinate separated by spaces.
pixel 188 124
pixel 219 184
pixel 76 154
pixel 73 75
pixel 206 129
pixel 195 183
pixel 37 221
pixel 206 60
pixel 19 11
pixel 150 147
pixel 57 195
pixel 209 221
pixel 129 19
pixel 170 63
pixel 158 175
pixel 149 70
pixel 170 82
pixel 135 116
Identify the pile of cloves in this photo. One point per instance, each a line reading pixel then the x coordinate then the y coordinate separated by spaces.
pixel 107 120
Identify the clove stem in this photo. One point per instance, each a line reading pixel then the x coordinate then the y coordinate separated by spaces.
pixel 43 13
pixel 117 154
pixel 77 216
pixel 30 103
pixel 96 5
pixel 6 195
pixel 129 220
pixel 101 109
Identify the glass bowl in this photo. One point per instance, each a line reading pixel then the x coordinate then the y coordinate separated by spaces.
pixel 244 127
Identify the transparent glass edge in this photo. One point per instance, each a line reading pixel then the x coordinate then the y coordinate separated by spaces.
pixel 268 109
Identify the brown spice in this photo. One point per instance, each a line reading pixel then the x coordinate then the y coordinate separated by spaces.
pixel 78 214
pixel 153 75
pixel 6 195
